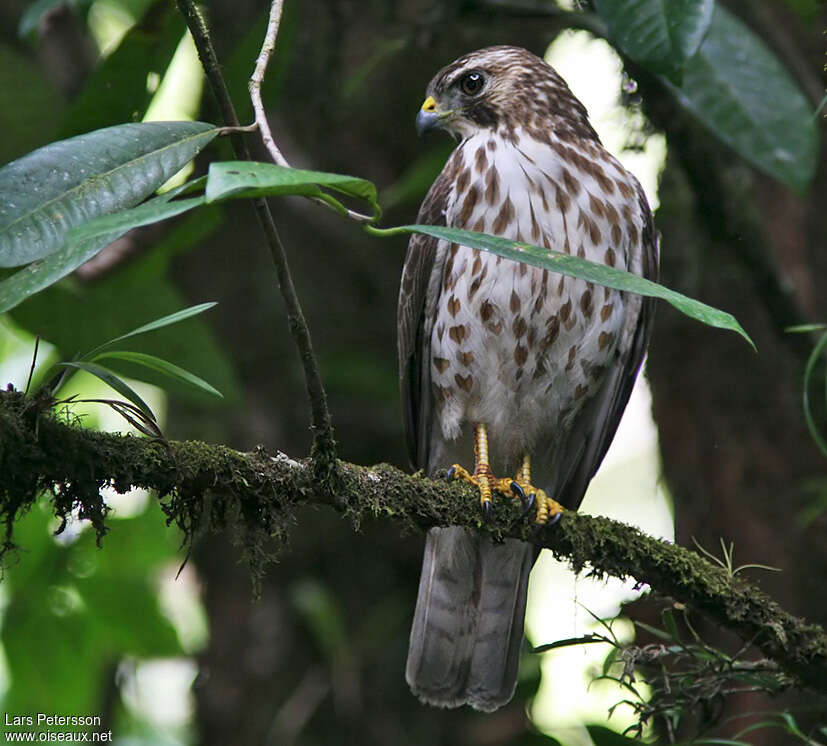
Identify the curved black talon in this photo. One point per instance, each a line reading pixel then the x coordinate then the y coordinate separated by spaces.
pixel 486 511
pixel 527 502
pixel 451 474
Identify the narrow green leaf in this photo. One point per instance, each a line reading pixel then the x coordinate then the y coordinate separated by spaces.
pixel 112 380
pixel 235 179
pixel 169 319
pixel 150 212
pixel 573 266
pixel 812 361
pixel 660 35
pixel 55 188
pixel 161 366
pixel 740 90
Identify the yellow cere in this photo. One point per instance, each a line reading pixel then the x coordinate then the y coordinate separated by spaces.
pixel 429 104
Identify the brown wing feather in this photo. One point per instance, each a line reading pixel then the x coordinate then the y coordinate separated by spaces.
pixel 595 428
pixel 412 346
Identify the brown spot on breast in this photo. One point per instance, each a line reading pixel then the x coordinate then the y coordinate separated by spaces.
pixel 597 372
pixel 504 217
pixel 440 331
pixel 633 234
pixel 561 285
pixel 565 311
pixel 604 340
pixel 514 303
pixel 464 382
pixel 611 213
pixel 453 305
pixel 481 161
pixel 479 226
pixel 441 364
pixel 463 180
pixel 624 188
pixel 492 187
pixel 477 266
pixel 468 205
pixel 522 269
pixel 492 144
pixel 486 310
pixel 597 206
pixel 439 393
pixel 563 201
pixel 475 285
pixel 572 356
pixel 610 257
pixel 606 311
pixel 520 354
pixel 586 303
pixel 465 358
pixel 617 234
pixel 571 184
pixel 594 232
pixel 458 333
pixel 495 327
pixel 552 330
pixel 531 339
pixel 540 369
pixel 519 327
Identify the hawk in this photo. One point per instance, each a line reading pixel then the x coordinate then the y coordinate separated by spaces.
pixel 527 369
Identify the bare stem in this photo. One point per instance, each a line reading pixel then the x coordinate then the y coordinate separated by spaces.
pixel 256 79
pixel 324 445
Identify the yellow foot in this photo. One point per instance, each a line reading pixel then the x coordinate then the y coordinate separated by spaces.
pixel 548 509
pixel 530 496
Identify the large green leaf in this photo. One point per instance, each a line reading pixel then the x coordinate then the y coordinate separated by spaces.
pixel 164 367
pixel 738 88
pixel 573 266
pixel 79 248
pixel 660 35
pixel 234 179
pixel 46 193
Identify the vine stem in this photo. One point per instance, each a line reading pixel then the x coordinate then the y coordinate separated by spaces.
pixel 323 451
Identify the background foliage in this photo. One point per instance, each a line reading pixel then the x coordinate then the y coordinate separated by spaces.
pixel 734 85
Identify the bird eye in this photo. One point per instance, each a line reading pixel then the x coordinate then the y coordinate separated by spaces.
pixel 471 84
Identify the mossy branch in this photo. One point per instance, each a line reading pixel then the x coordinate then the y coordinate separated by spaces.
pixel 255 494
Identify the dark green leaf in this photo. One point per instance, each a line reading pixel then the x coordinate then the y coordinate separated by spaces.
pixel 112 380
pixel 233 179
pixel 574 266
pixel 79 249
pixel 161 366
pixel 738 88
pixel 118 223
pixel 605 737
pixel 25 94
pixel 116 90
pixel 660 35
pixel 46 193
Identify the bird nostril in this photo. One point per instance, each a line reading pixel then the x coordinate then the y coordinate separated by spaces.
pixel 429 105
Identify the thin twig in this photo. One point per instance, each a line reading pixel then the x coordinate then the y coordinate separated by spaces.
pixel 324 445
pixel 256 80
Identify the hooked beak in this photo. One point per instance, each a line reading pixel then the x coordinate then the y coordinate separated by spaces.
pixel 429 117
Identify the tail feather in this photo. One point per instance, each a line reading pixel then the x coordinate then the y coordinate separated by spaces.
pixel 468 624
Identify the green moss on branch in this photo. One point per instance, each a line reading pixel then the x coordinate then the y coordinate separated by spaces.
pixel 254 495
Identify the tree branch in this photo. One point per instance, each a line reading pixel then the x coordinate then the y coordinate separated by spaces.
pixel 255 495
pixel 323 452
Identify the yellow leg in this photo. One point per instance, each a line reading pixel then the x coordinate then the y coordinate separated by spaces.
pixel 482 477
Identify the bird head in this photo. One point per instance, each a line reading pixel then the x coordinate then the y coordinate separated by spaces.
pixel 499 87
